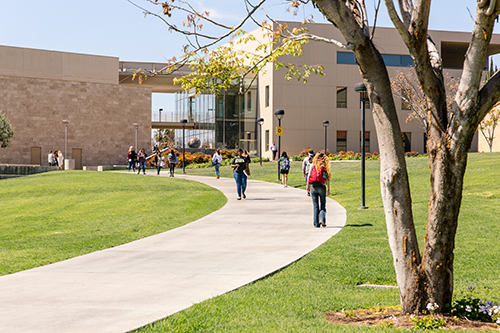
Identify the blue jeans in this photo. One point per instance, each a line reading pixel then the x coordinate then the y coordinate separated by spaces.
pixel 143 166
pixel 131 164
pixel 319 208
pixel 158 168
pixel 217 169
pixel 241 182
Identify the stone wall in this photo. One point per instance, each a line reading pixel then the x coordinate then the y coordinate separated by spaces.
pixel 101 118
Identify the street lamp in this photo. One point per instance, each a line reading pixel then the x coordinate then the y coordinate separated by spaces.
pixel 65 121
pixel 183 122
pixel 326 123
pixel 279 115
pixel 136 125
pixel 160 111
pixel 260 121
pixel 363 96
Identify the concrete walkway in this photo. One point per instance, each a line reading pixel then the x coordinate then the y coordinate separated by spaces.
pixel 129 286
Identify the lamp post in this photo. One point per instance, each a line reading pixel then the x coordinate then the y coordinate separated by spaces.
pixel 279 115
pixel 136 125
pixel 260 121
pixel 326 123
pixel 363 96
pixel 65 121
pixel 160 111
pixel 183 122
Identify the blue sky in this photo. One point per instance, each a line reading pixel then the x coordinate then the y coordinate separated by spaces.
pixel 118 28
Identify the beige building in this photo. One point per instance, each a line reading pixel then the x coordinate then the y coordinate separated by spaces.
pixel 39 89
pixel 332 97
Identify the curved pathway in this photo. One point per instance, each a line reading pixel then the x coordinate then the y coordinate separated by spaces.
pixel 129 286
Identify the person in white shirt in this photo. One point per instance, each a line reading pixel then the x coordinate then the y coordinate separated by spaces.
pixel 216 161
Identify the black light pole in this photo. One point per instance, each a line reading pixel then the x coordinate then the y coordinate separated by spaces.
pixel 363 95
pixel 183 122
pixel 260 121
pixel 279 115
pixel 159 111
pixel 136 125
pixel 65 121
pixel 326 123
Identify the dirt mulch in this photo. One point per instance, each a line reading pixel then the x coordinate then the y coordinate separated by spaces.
pixel 381 317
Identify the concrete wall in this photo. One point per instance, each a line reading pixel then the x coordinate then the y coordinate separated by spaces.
pixel 15 61
pixel 101 118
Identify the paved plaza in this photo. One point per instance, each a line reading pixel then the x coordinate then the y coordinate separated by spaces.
pixel 129 286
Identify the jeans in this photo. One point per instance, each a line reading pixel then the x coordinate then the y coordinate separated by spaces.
pixel 172 169
pixel 143 166
pixel 319 211
pixel 131 164
pixel 158 168
pixel 241 182
pixel 274 154
pixel 217 169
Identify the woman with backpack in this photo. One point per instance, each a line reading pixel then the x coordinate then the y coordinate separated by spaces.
pixel 284 162
pixel 319 174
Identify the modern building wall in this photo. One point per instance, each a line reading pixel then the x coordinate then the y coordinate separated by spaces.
pixel 308 105
pixel 39 89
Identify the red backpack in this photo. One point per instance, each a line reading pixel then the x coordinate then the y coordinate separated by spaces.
pixel 317 176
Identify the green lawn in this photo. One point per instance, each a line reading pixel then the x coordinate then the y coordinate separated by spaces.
pixel 296 298
pixel 59 215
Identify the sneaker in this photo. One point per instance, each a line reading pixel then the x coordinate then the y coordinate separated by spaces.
pixel 323 224
pixel 238 198
pixel 244 196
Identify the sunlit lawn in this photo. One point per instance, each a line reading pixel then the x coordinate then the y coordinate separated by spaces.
pixel 296 298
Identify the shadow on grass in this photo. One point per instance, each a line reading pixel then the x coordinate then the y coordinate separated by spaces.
pixel 359 225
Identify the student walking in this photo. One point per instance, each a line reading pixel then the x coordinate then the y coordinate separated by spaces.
pixel 60 160
pixel 131 158
pixel 274 149
pixel 306 165
pixel 141 157
pixel 159 162
pixel 239 163
pixel 172 161
pixel 319 174
pixel 284 162
pixel 51 158
pixel 216 161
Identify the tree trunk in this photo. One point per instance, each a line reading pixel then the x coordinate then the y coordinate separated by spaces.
pixel 394 182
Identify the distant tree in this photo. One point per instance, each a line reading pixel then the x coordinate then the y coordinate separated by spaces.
pixel 488 125
pixel 406 86
pixel 164 137
pixel 6 131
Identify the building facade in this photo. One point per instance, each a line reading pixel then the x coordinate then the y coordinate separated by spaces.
pixel 39 89
pixel 332 97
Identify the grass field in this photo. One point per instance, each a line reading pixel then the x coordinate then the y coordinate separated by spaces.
pixel 296 298
pixel 59 215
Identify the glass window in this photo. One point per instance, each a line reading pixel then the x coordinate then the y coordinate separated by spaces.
pixel 345 58
pixel 406 136
pixel 267 96
pixel 341 141
pixel 267 140
pixel 341 97
pixel 249 100
pixel 392 59
pixel 367 141
pixel 406 61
